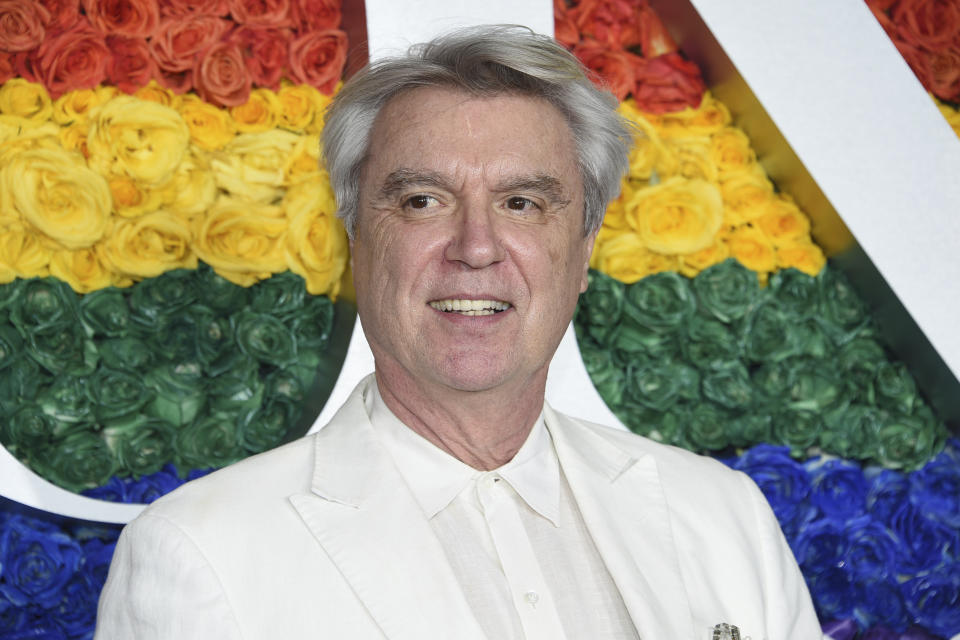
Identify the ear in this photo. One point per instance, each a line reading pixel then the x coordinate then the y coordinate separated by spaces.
pixel 588 245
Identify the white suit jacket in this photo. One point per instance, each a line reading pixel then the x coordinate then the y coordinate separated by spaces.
pixel 322 539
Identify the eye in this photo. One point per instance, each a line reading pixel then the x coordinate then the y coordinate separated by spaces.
pixel 420 201
pixel 519 203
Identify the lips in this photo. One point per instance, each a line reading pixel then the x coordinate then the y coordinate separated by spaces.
pixel 469 307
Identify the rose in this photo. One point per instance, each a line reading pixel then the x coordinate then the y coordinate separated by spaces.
pixel 21 25
pixel 706 428
pixel 37 563
pixel 795 292
pixel 600 306
pixel 858 359
pixel 819 545
pixel 799 429
pixel 691 159
pixel 40 304
pixel 615 23
pixel 79 460
pixel 726 291
pixel 19 385
pixel 888 490
pixel 243 241
pixel 783 222
pixel 268 425
pixel 908 441
pixel 180 392
pixel 615 69
pixel 784 483
pixel 27 100
pixel 105 313
pixel 625 257
pixel 271 13
pixel 143 140
pixel 729 387
pixel 140 444
pixel 76 612
pixel 926 23
pixel 154 301
pixel 210 127
pixel 709 345
pixel 939 72
pixel 677 215
pixel 315 15
pixel 149 245
pixel 935 488
pixel 691 264
pixel 852 430
pixel 74 59
pixel 251 166
pixel 63 14
pixel 668 83
pixel 154 485
pixel 192 335
pixel 219 293
pixel 82 269
pixel 884 604
pixel 11 346
pixel 316 244
pixel 116 394
pixel 55 192
pixel 128 353
pixel 841 312
pixel 748 429
pixel 258 113
pixel 313 324
pixel 266 52
pixel 661 303
pixel 192 189
pixel 605 374
pixel 221 77
pixel 731 151
pixel 264 337
pixel 132 18
pixel 895 386
pixel 564 28
pixel 180 39
pixel 131 199
pixel 317 59
pixel 190 7
pixel 131 66
pixel 235 387
pixel 659 385
pixel 301 106
pixel 871 548
pixel 751 248
pixel 211 441
pixel 633 339
pixel 66 401
pixel 769 335
pixel 802 255
pixel 838 487
pixel 26 430
pixel 933 600
pixel 281 295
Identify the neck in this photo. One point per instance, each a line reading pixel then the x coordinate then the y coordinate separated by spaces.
pixel 483 429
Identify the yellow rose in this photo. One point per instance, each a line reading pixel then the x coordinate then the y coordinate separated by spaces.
pixel 192 189
pixel 316 243
pixel 24 99
pixel 300 105
pixel 153 92
pixel 131 200
pixel 22 250
pixel 711 116
pixel 147 246
pixel 752 248
pixel 81 269
pixel 321 101
pixel 259 113
pixel 692 158
pixel 73 137
pixel 18 135
pixel 615 217
pixel 783 222
pixel 243 241
pixel 693 263
pixel 251 166
pixel 746 195
pixel 731 151
pixel 648 153
pixel 802 255
pixel 303 165
pixel 623 256
pixel 210 127
pixel 143 140
pixel 73 106
pixel 54 191
pixel 677 215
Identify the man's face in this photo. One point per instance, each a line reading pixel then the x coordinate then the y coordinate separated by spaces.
pixel 469 251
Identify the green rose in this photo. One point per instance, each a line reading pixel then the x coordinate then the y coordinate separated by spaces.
pixel 773 379
pixel 269 425
pixel 814 386
pixel 852 431
pixel 842 313
pixel 859 359
pixel 729 388
pixel 795 292
pixel 895 387
pixel 10 293
pixel 607 376
pixel 312 323
pixel 140 444
pixel 127 353
pixel 659 385
pixel 600 306
pixel 280 295
pixel 286 383
pixel 264 337
pixel 633 340
pixel 80 460
pixel 799 430
pixel 180 392
pixel 155 300
pixel 726 291
pixel 11 347
pixel 63 349
pixel 105 313
pixel 19 384
pixel 709 344
pixel 194 334
pixel 670 427
pixel 239 389
pixel 66 400
pixel 706 428
pixel 42 304
pixel 660 303
pixel 26 429
pixel 769 336
pixel 811 339
pixel 909 441
pixel 219 293
pixel 210 441
pixel 115 394
pixel 748 429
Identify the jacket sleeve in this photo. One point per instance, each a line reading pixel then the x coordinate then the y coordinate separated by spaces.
pixel 160 587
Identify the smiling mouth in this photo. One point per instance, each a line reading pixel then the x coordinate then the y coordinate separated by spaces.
pixel 470 307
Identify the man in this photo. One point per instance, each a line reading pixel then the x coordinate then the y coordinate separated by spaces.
pixel 445 499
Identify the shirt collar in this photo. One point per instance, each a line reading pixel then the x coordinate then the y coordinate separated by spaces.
pixel 435 477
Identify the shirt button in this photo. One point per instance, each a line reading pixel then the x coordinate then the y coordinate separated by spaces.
pixel 532 598
pixel 489 481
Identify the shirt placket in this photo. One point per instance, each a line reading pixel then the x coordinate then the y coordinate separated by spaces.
pixel 531 598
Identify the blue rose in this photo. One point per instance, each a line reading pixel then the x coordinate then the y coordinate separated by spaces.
pixel 935 488
pixel 871 548
pixel 925 543
pixel 838 487
pixel 96 561
pixel 783 481
pixel 193 474
pixel 12 617
pixel 150 487
pixel 934 600
pixel 44 629
pixel 820 545
pixel 76 612
pixel 37 562
pixel 114 490
pixel 883 604
pixel 834 592
pixel 888 491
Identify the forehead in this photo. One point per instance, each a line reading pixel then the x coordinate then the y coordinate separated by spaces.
pixel 451 131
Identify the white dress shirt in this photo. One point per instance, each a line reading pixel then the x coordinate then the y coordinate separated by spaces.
pixel 514 537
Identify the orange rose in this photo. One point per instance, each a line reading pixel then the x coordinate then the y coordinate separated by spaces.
pixel 221 76
pixel 616 67
pixel 132 18
pixel 21 25
pixel 179 40
pixel 927 23
pixel 132 65
pixel 74 59
pixel 317 59
pixel 315 15
pixel 193 7
pixel 267 13
pixel 668 83
pixel 265 51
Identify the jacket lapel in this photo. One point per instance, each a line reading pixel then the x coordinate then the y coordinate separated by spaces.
pixel 363 515
pixel 626 513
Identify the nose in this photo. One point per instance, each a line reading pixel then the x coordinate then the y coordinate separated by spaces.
pixel 476 242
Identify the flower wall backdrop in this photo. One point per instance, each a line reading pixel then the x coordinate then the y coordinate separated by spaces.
pixel 169 256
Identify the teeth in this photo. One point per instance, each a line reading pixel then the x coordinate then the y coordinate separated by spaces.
pixel 470 307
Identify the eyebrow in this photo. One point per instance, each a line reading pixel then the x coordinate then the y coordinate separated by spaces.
pixel 401 179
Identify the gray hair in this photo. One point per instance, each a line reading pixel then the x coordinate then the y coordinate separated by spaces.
pixel 484 61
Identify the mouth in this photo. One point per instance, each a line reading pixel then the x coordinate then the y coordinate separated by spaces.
pixel 466 307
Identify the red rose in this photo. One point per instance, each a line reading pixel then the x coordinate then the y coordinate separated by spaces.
pixel 74 59
pixel 941 69
pixel 133 18
pixel 615 22
pixel 315 15
pixel 265 52
pixel 615 67
pixel 8 66
pixel 63 14
pixel 191 7
pixel 655 40
pixel 668 83
pixel 132 66
pixel 21 25
pixel 265 13
pixel 564 28
pixel 317 59
pixel 179 40
pixel 221 77
pixel 927 23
